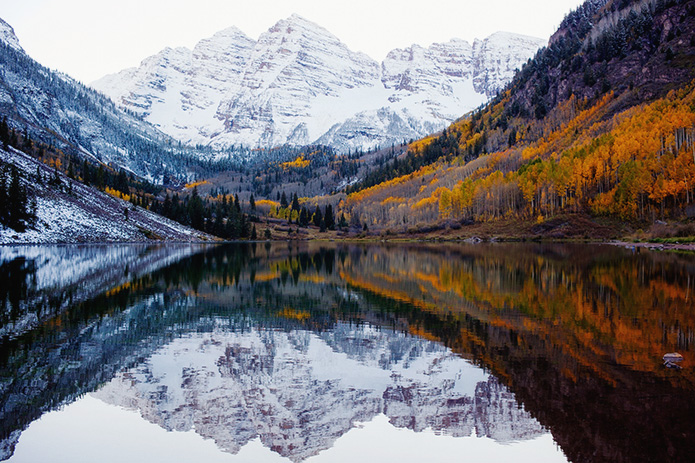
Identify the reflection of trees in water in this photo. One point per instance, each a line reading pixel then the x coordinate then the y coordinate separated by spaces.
pixel 577 332
pixel 621 305
pixel 73 351
pixel 16 277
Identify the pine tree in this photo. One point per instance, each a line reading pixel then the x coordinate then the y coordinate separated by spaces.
pixel 245 226
pixel 218 226
pixel 329 218
pixel 86 177
pixel 18 214
pixel 4 204
pixel 196 211
pixel 303 217
pixel 122 183
pixel 166 207
pixel 295 203
pixel 55 181
pixel 4 134
pixel 13 138
pixel 252 203
pixel 100 180
pixel 318 217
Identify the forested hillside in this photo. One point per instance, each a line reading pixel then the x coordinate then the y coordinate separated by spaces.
pixel 601 122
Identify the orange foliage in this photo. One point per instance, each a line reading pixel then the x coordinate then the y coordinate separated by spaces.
pixel 639 164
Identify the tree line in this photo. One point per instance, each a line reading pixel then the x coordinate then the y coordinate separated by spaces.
pixel 222 217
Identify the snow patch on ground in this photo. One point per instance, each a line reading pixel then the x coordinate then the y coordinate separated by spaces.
pixel 76 213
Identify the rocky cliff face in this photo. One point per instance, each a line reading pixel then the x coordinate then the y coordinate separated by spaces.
pixel 299 84
pixel 300 391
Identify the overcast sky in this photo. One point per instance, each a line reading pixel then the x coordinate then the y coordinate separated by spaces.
pixel 88 39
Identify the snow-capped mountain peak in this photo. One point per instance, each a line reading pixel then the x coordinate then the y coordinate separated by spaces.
pixel 299 84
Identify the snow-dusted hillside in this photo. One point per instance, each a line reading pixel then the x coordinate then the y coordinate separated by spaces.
pixel 75 213
pixel 57 110
pixel 298 84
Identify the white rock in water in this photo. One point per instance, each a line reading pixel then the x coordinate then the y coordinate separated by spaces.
pixel 673 357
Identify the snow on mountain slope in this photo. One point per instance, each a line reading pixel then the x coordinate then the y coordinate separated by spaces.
pixel 293 65
pixel 498 57
pixel 76 213
pixel 57 110
pixel 179 90
pixel 299 84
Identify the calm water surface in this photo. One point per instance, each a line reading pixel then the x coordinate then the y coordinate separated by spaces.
pixel 332 352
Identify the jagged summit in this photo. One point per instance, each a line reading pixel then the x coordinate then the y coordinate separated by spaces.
pixel 299 84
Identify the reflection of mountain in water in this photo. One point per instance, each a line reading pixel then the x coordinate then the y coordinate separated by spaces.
pixel 299 391
pixel 575 332
pixel 40 282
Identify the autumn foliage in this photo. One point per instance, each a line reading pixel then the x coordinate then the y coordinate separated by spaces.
pixel 635 164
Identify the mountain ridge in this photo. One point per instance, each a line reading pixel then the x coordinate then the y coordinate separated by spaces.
pixel 299 84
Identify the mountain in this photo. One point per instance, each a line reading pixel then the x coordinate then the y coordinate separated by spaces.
pixel 598 124
pixel 57 111
pixel 298 84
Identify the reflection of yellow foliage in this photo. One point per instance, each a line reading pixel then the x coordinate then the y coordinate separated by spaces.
pixel 113 291
pixel 401 296
pixel 293 314
pixel 421 333
pixel 627 313
pixel 266 276
pixel 312 278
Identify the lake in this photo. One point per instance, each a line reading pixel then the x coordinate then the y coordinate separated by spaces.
pixel 329 352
